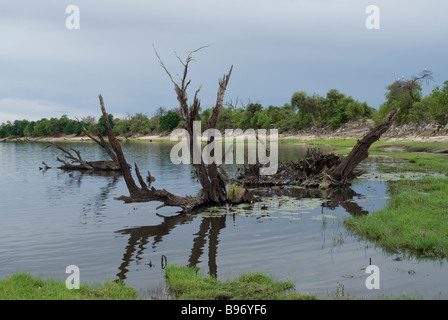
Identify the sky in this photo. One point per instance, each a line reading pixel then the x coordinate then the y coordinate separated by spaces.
pixel 276 47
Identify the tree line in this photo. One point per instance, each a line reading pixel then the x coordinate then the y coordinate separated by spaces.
pixel 301 112
pixel 414 107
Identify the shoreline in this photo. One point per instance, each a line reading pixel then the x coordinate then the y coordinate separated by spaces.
pixel 284 137
pixel 354 130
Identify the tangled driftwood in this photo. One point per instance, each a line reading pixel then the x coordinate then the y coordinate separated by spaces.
pixel 318 169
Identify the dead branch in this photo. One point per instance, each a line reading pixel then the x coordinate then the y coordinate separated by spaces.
pixel 213 181
pixel 70 156
pixel 101 141
pixel 318 169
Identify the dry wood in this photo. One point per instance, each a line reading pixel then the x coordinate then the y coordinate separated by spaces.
pixel 318 169
pixel 212 180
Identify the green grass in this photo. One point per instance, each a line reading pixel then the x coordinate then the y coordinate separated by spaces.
pixel 186 284
pixel 23 286
pixel 415 219
pixel 333 142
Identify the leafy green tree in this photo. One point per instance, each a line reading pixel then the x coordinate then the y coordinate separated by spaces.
pixel 5 129
pixel 101 124
pixel 237 117
pixel 63 122
pixel 169 121
pixel 311 105
pixel 73 127
pixel 153 123
pixel 225 118
pixel 121 126
pixel 29 129
pixel 263 119
pixel 403 94
pixel 204 118
pixel 18 127
pixel 438 108
pixel 40 128
pixel 139 124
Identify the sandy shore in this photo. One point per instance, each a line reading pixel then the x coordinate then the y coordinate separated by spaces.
pixel 350 130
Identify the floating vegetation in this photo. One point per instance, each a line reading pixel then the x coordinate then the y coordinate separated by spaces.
pixel 396 176
pixel 323 217
pixel 271 207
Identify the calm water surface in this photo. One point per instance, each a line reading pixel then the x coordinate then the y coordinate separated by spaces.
pixel 52 219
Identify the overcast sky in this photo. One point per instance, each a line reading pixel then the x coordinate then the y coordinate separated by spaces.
pixel 277 47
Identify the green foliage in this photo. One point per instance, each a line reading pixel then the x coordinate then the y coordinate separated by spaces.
pixel 415 218
pixel 407 95
pixel 225 118
pixel 22 286
pixel 303 111
pixel 73 127
pixel 333 111
pixel 169 121
pixel 102 125
pixel 438 104
pixel 185 284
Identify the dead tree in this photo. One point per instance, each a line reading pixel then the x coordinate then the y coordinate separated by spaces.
pixel 213 181
pixel 318 169
pixel 78 163
pixel 343 172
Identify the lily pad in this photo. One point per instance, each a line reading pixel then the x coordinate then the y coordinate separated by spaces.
pixel 323 216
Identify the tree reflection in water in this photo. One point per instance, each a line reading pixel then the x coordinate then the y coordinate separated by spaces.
pixel 210 227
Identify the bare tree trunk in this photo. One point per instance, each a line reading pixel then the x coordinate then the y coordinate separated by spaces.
pixel 343 173
pixel 213 182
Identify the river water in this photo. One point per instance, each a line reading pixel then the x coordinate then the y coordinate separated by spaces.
pixel 50 219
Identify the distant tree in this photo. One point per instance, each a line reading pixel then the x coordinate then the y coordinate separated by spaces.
pixel 29 129
pixel 18 127
pixel 438 107
pixel 52 126
pixel 139 124
pixel 403 94
pixel 40 128
pixel 121 126
pixel 225 118
pixel 73 127
pixel 102 126
pixel 63 122
pixel 305 104
pixel 204 118
pixel 169 121
pixel 5 129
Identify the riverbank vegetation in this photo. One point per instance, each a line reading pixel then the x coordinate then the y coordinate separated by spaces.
pixel 303 111
pixel 23 286
pixel 415 219
pixel 186 283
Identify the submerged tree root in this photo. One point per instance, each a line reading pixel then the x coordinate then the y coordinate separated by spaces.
pixel 318 169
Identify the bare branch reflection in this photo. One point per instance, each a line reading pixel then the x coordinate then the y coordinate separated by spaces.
pixel 210 227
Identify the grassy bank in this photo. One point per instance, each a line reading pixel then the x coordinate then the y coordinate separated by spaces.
pixel 185 283
pixel 416 218
pixel 23 286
